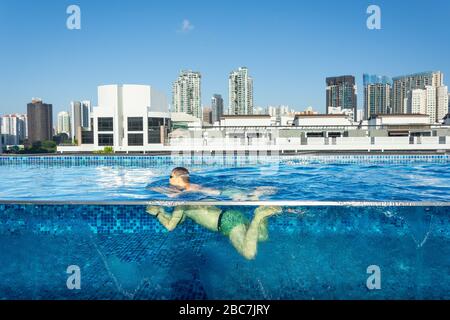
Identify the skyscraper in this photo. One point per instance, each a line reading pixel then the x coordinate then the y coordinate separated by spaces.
pixel 207 115
pixel 421 92
pixel 63 125
pixel 217 107
pixel 417 101
pixel 341 95
pixel 13 128
pixel 40 121
pixel 377 95
pixel 402 86
pixel 80 115
pixel 441 103
pixel 448 103
pixel 240 88
pixel 186 93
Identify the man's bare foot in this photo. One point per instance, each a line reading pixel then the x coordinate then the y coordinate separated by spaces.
pixel 153 210
pixel 265 212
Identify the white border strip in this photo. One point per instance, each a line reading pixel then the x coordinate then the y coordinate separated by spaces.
pixel 281 203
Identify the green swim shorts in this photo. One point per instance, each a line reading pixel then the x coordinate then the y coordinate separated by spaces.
pixel 230 219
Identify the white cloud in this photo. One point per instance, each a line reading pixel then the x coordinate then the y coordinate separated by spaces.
pixel 186 26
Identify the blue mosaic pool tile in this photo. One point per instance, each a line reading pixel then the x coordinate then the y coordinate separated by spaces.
pixel 201 160
pixel 114 219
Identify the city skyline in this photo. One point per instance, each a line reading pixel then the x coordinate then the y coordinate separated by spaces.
pixel 286 48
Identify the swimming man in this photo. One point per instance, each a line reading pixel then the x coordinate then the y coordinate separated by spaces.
pixel 179 182
pixel 244 236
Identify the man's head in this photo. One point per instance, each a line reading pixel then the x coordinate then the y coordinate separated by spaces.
pixel 179 177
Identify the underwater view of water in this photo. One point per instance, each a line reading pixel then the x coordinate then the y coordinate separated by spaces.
pixel 312 253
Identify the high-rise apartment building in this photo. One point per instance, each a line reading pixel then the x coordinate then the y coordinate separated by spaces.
pixel 40 121
pixel 186 93
pixel 207 115
pixel 80 118
pixel 403 85
pixel 448 103
pixel 217 107
pixel 430 101
pixel 341 96
pixel 441 103
pixel 421 92
pixel 417 101
pixel 13 129
pixel 377 95
pixel 63 123
pixel 240 92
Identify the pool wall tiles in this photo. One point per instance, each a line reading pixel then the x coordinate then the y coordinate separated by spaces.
pixel 113 219
pixel 202 160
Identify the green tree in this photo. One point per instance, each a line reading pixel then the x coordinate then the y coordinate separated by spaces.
pixel 48 146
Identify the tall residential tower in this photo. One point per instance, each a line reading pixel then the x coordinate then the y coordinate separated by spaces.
pixel 240 88
pixel 63 125
pixel 341 96
pixel 40 121
pixel 13 128
pixel 186 93
pixel 409 90
pixel 377 95
pixel 80 118
pixel 217 107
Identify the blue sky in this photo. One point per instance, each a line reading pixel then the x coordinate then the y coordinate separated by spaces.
pixel 289 46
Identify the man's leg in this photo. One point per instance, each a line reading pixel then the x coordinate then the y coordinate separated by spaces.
pixel 263 234
pixel 244 239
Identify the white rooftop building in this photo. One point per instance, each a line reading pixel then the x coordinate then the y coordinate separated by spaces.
pixel 246 120
pixel 399 119
pixel 127 118
pixel 305 120
pixel 181 119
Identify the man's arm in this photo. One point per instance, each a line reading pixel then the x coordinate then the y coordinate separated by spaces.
pixel 170 222
pixel 204 190
pixel 210 191
pixel 170 192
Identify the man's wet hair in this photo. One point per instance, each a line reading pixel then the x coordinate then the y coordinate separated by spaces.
pixel 181 172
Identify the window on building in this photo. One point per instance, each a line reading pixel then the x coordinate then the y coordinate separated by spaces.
pixel 314 134
pixel 105 124
pixel 135 139
pixel 135 124
pixel 106 140
pixel 87 137
pixel 154 135
pixel 334 134
pixel 155 122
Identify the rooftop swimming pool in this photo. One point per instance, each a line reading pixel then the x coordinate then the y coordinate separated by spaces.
pixel 345 178
pixel 349 227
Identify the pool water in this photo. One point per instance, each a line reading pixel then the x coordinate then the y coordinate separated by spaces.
pixel 294 180
pixel 312 253
pixel 340 217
